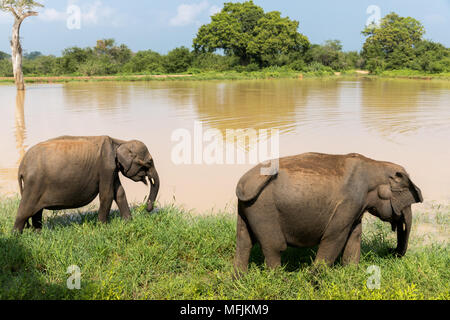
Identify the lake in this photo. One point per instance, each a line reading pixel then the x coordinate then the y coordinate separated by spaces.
pixel 402 121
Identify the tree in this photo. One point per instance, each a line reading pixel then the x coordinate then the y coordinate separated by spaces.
pixel 391 45
pixel 178 60
pixel 145 61
pixel 105 58
pixel 20 9
pixel 72 58
pixel 431 57
pixel 330 54
pixel 108 48
pixel 246 31
pixel 32 55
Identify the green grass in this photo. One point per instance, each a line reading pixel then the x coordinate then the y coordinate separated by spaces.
pixel 175 255
pixel 268 73
pixel 414 74
pixel 271 73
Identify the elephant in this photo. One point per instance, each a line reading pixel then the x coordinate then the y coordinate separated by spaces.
pixel 69 172
pixel 319 199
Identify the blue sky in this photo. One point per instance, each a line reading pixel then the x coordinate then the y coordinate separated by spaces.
pixel 164 25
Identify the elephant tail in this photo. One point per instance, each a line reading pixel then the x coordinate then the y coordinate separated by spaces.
pixel 20 183
pixel 251 184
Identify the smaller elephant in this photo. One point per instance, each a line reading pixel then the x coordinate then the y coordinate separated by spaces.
pixel 319 199
pixel 69 172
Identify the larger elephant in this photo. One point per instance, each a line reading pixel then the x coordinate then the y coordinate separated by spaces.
pixel 69 172
pixel 319 199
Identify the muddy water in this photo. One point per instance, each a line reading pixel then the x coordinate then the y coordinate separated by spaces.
pixel 403 121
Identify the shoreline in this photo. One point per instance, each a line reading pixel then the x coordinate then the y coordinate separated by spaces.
pixel 230 75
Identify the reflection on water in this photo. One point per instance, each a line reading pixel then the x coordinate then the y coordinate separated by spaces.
pixel 19 117
pixel 407 122
pixel 9 174
pixel 256 105
pixel 403 107
pixel 109 97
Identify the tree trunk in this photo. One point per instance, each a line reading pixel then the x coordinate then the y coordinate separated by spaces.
pixel 16 56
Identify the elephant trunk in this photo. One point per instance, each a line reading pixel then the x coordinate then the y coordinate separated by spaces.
pixel 403 231
pixel 154 187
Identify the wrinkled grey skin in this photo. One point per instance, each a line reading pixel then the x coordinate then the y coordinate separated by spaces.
pixel 319 199
pixel 69 172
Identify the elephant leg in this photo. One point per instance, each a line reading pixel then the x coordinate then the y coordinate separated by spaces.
pixel 352 249
pixel 329 250
pixel 273 256
pixel 121 199
pixel 271 239
pixel 36 220
pixel 105 207
pixel 244 246
pixel 27 208
pixel 106 195
pixel 335 236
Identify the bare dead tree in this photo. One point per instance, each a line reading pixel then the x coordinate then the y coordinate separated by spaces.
pixel 20 9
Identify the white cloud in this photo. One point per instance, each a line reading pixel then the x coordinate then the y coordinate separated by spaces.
pixel 188 13
pixel 91 14
pixel 52 15
pixel 96 12
pixel 214 9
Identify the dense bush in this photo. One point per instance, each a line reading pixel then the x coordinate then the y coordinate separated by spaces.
pixel 331 55
pixel 145 61
pixel 40 65
pixel 178 60
pixel 430 57
pixel 209 61
pixel 6 69
pixel 4 55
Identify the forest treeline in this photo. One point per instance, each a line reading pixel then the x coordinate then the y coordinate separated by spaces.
pixel 242 37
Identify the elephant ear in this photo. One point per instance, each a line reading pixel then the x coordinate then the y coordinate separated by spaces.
pixel 125 157
pixel 404 192
pixel 251 184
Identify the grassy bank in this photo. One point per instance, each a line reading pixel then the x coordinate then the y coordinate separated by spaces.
pixel 228 75
pixel 271 73
pixel 413 74
pixel 172 255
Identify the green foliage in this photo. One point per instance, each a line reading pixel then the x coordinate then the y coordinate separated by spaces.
pixel 318 69
pixel 19 6
pixel 331 55
pixel 107 48
pixel 73 58
pixel 4 55
pixel 178 60
pixel 244 30
pixel 32 55
pixel 145 62
pixel 431 57
pixel 208 61
pixel 397 44
pixel 104 59
pixel 6 69
pixel 40 65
